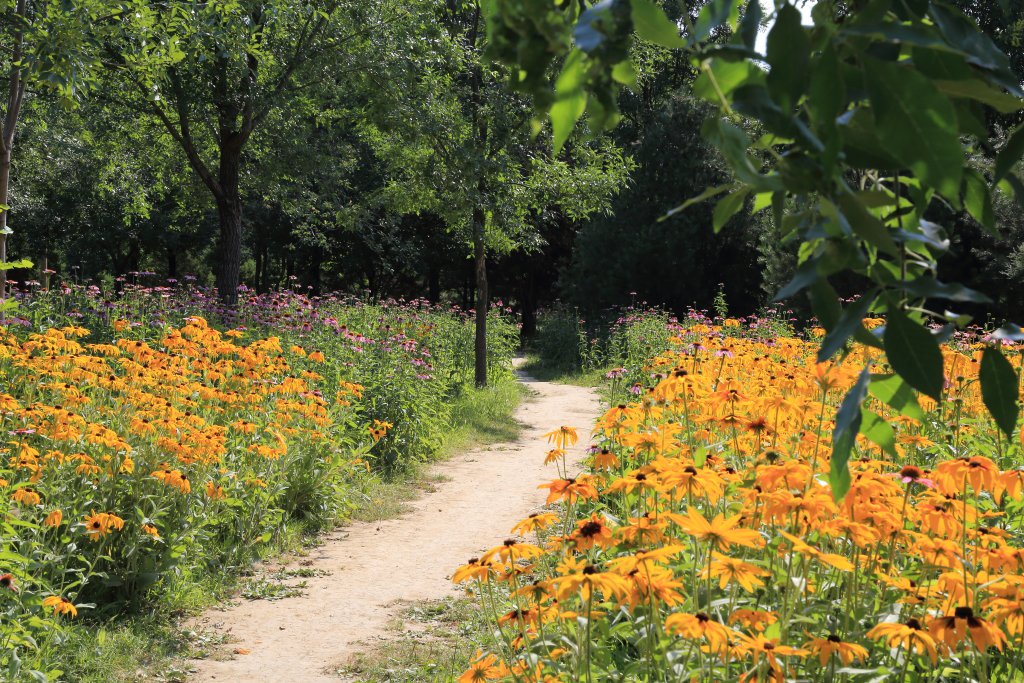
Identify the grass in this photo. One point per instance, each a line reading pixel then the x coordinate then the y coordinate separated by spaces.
pixel 151 645
pixel 432 641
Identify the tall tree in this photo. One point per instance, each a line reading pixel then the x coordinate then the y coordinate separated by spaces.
pixel 462 147
pixel 50 45
pixel 235 64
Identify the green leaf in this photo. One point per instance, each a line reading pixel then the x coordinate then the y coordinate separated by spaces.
pixel 878 432
pixel 913 353
pixel 866 225
pixel 978 90
pixel 654 26
pixel 750 24
pixel 733 143
pixel 625 73
pixel 727 75
pixel 963 33
pixel 727 207
pixel 897 394
pixel 927 287
pixel 917 124
pixel 848 421
pixel 844 328
pixel 789 51
pixel 825 91
pixel 706 194
pixel 712 15
pixel 806 274
pixel 570 99
pixel 1009 154
pixel 15 265
pixel 999 389
pixel 978 200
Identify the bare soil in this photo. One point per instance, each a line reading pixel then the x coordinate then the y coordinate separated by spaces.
pixel 364 573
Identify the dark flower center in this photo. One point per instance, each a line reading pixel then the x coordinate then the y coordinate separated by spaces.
pixel 833 638
pixel 590 529
pixel 701 617
pixel 963 613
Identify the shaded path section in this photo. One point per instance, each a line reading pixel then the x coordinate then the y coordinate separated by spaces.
pixel 372 566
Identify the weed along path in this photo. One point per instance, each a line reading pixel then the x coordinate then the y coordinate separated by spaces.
pixel 365 571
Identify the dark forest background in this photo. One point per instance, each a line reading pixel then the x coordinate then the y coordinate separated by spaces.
pixel 100 190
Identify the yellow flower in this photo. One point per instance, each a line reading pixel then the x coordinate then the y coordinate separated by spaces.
pixel 54 519
pixel 98 525
pixel 60 605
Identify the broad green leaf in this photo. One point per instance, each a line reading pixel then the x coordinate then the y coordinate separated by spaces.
pixel 981 51
pixel 722 77
pixel 750 24
pixel 844 328
pixel 825 91
pixel 651 24
pixel 913 353
pixel 733 143
pixel 789 51
pixel 727 207
pixel 825 303
pixel 917 124
pixel 978 200
pixel 570 99
pixel 1009 154
pixel 897 394
pixel 1000 389
pixel 866 225
pixel 625 73
pixel 978 90
pixel 878 432
pixel 762 200
pixel 848 421
pixel 15 265
pixel 712 15
pixel 806 274
pixel 927 287
pixel 706 194
pixel 1009 332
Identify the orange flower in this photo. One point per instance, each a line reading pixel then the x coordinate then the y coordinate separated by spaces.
pixel 563 437
pixel 831 645
pixel 720 532
pixel 60 605
pixel 98 525
pixel 700 625
pixel 955 627
pixel 911 636
pixel 54 518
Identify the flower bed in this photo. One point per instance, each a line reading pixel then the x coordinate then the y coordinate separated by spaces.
pixel 701 542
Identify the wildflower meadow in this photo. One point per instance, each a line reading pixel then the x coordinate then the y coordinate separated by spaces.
pixel 700 540
pixel 144 445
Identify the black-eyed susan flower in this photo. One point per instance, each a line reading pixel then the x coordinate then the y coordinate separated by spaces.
pixel 60 605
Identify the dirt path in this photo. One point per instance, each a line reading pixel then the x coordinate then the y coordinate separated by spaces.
pixel 372 566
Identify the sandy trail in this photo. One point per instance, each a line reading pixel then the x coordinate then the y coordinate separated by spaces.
pixel 373 566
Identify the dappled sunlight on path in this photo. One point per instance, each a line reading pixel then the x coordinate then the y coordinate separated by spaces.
pixel 365 570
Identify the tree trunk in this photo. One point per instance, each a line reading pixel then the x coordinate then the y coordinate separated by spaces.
pixel 229 215
pixel 480 262
pixel 15 96
pixel 434 282
pixel 5 181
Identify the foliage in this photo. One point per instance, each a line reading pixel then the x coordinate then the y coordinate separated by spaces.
pixel 701 540
pixel 160 446
pixel 863 124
